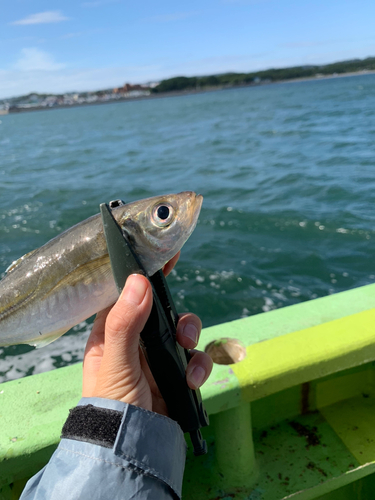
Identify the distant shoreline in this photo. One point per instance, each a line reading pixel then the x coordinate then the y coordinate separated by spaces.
pixel 328 77
pixel 178 93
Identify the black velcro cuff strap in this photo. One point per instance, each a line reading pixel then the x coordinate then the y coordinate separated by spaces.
pixel 92 424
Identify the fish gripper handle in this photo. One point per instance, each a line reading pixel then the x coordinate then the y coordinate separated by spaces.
pixel 166 358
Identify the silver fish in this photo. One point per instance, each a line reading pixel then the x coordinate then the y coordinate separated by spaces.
pixel 67 280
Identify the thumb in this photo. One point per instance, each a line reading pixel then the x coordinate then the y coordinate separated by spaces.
pixel 120 368
pixel 126 320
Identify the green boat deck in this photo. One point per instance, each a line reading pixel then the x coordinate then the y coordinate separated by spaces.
pixel 295 418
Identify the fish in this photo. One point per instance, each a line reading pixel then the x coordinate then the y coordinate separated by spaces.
pixel 57 286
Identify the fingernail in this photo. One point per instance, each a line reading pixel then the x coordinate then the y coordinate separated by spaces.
pixel 191 331
pixel 197 376
pixel 135 289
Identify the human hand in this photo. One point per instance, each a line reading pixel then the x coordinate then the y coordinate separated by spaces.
pixel 114 366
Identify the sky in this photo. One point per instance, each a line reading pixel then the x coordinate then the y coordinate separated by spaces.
pixel 63 46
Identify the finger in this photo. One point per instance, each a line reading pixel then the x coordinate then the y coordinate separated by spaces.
pixel 124 323
pixel 95 342
pixel 170 265
pixel 188 330
pixel 93 353
pixel 198 369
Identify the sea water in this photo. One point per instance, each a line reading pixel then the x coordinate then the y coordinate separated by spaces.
pixel 287 172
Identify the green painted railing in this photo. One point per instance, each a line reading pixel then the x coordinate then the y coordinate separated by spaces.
pixel 294 418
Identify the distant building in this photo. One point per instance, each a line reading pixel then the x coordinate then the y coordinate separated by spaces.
pixel 128 87
pixel 50 101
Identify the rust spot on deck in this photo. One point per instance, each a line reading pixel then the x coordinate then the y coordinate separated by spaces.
pixel 313 466
pixel 310 433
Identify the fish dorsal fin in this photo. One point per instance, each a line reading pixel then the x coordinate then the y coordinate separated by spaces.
pixel 15 263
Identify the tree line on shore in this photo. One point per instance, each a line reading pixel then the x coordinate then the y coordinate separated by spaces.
pixel 181 83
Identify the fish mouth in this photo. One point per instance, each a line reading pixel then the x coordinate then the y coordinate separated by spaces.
pixel 199 199
pixel 193 203
pixel 195 199
pixel 196 202
pixel 199 202
pixel 190 205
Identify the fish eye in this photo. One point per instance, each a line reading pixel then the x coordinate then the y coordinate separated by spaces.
pixel 162 214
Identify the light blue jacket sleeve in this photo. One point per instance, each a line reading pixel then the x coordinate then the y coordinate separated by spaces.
pixel 146 462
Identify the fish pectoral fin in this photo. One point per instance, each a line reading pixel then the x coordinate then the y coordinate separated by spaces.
pixel 15 263
pixel 45 340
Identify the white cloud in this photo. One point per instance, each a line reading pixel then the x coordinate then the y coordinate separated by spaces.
pixel 33 59
pixel 51 16
pixel 15 82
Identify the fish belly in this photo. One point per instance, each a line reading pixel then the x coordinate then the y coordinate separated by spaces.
pixel 42 320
